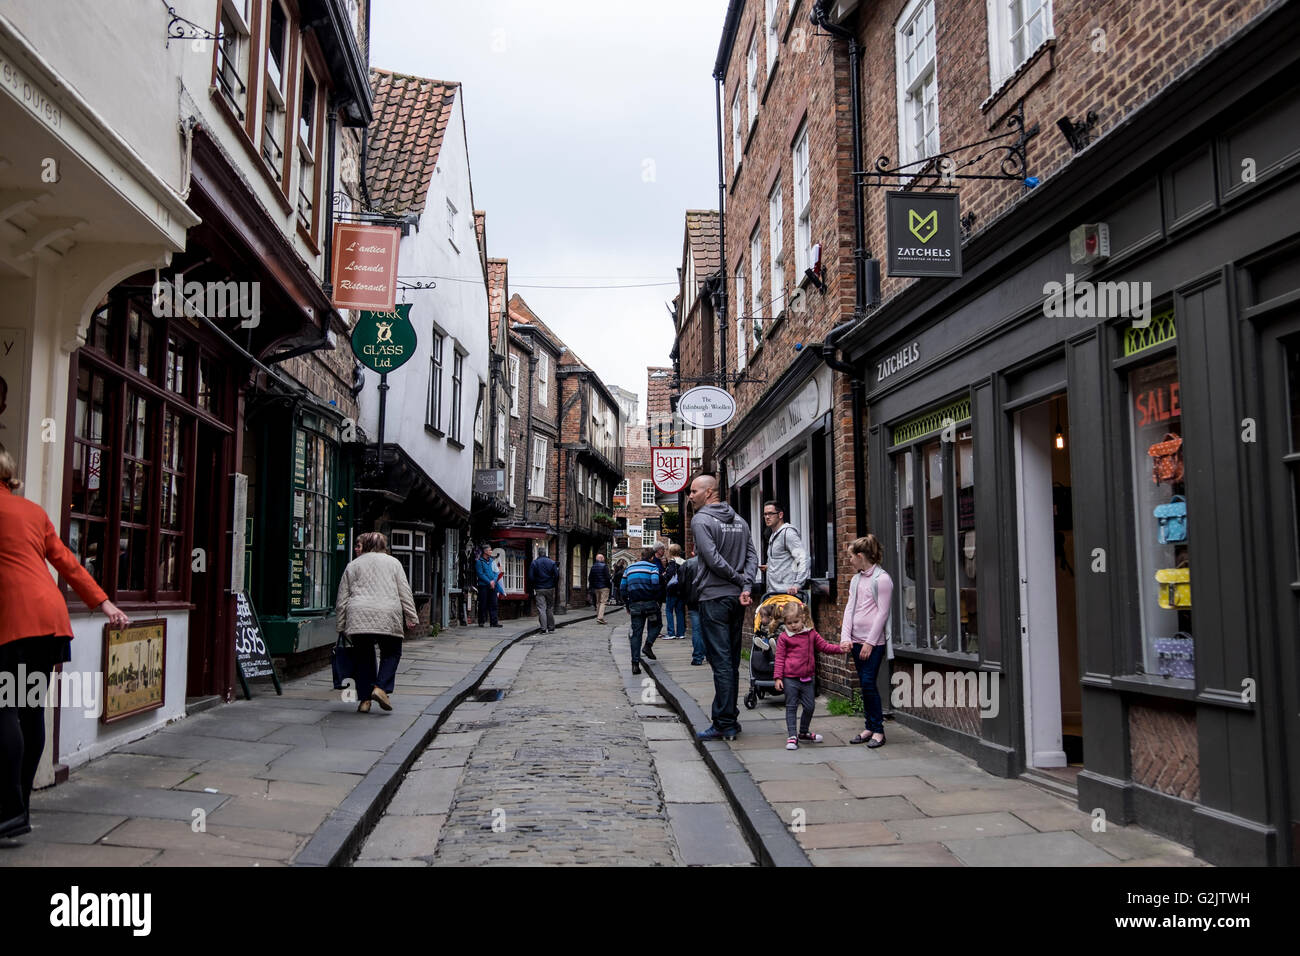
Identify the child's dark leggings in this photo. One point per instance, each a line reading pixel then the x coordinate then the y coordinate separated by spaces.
pixel 798 692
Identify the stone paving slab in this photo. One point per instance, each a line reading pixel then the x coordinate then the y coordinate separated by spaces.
pixel 404 837
pixel 19 853
pixel 916 854
pixel 687 781
pixel 235 841
pixel 72 827
pixel 824 836
pixel 1032 849
pixel 850 811
pixel 968 826
pixel 97 798
pixel 708 835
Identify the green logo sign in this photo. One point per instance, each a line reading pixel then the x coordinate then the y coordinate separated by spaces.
pixel 923 227
pixel 384 341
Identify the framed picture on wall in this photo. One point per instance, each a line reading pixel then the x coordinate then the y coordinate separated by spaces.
pixel 135 669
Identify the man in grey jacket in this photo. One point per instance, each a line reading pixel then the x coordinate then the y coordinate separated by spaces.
pixel 787 562
pixel 728 565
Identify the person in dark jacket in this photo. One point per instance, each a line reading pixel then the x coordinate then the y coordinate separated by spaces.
pixel 618 580
pixel 487 576
pixel 598 585
pixel 544 574
pixel 687 575
pixel 643 591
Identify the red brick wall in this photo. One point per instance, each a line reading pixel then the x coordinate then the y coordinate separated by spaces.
pixel 1164 750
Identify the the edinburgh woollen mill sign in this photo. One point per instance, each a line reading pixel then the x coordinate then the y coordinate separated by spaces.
pixel 706 406
pixel 384 341
pixel 924 234
pixel 364 267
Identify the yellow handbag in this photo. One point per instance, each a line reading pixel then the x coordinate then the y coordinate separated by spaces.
pixel 1176 591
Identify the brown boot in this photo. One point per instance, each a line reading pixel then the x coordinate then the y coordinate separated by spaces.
pixel 379 695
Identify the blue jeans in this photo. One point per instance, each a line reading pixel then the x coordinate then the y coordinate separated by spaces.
pixel 675 609
pixel 645 614
pixel 721 621
pixel 363 657
pixel 868 668
pixel 697 637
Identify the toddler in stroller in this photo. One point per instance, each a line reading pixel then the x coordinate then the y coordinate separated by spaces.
pixel 768 617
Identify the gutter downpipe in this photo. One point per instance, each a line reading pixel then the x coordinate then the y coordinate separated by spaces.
pixel 721 310
pixel 830 347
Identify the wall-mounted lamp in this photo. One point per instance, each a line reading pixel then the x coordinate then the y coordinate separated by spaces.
pixel 1060 435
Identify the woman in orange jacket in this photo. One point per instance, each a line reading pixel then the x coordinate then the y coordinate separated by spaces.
pixel 35 636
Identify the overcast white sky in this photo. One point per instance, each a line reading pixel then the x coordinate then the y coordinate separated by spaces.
pixel 591 132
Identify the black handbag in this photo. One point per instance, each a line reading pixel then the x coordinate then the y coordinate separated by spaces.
pixel 341 661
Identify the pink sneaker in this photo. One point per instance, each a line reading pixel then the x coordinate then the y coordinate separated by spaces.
pixel 792 743
pixel 811 737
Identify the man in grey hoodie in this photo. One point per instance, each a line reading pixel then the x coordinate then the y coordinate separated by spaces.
pixel 728 566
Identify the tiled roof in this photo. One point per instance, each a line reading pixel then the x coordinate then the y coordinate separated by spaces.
pixel 706 247
pixel 521 313
pixel 411 117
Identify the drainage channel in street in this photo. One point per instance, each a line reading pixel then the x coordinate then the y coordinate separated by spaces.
pixel 559 758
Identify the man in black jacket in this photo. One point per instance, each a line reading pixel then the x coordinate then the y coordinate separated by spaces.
pixel 544 574
pixel 598 585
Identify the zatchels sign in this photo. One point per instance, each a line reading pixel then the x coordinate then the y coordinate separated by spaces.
pixel 384 341
pixel 924 234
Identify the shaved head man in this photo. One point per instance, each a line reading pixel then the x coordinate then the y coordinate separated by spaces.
pixel 727 568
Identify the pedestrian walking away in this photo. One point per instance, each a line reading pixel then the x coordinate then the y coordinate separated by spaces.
pixel 374 601
pixel 544 574
pixel 487 576
pixel 687 577
pixel 786 570
pixel 598 585
pixel 35 637
pixel 619 568
pixel 643 592
pixel 797 647
pixel 866 627
pixel 674 607
pixel 728 565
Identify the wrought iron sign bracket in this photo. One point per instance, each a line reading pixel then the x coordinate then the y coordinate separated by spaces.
pixel 945 169
pixel 179 28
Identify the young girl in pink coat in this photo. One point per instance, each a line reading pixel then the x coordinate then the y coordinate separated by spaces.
pixel 796 665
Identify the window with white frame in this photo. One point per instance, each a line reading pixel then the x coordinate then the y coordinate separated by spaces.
pixel 649 538
pixel 582 481
pixel 918 87
pixel 514 565
pixel 501 437
pixel 434 417
pixel 232 55
pixel 478 417
pixel 309 142
pixel 543 378
pixel 620 490
pixel 751 66
pixel 457 387
pixel 773 33
pixel 775 227
pixel 451 224
pixel 647 492
pixel 410 548
pixel 510 485
pixel 1017 28
pixel 274 125
pixel 802 205
pixel 756 287
pixel 735 131
pixel 537 484
pixel 740 321
pixel 514 385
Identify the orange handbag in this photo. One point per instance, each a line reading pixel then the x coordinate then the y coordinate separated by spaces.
pixel 1167 459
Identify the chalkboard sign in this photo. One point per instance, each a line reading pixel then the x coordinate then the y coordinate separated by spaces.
pixel 251 655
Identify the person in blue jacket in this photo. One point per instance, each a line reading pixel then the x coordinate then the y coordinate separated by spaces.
pixel 642 590
pixel 486 570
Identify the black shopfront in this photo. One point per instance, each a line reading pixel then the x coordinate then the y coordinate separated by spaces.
pixel 1102 510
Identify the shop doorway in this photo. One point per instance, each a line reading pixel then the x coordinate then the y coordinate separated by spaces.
pixel 1048 623
pixel 209 623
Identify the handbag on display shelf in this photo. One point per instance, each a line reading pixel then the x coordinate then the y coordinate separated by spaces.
pixel 1176 587
pixel 1176 656
pixel 1167 459
pixel 909 603
pixel 968 552
pixel 1173 520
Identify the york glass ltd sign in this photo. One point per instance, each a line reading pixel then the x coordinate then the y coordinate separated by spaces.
pixel 384 341
pixel 924 234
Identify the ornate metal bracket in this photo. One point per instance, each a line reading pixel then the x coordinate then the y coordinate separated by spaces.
pixel 1079 133
pixel 180 28
pixel 945 169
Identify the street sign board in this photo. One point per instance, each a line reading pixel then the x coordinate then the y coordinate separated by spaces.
pixel 384 341
pixel 670 468
pixel 706 406
pixel 364 268
pixel 490 481
pixel 924 234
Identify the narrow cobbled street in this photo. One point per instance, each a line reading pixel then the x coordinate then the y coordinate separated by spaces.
pixel 578 762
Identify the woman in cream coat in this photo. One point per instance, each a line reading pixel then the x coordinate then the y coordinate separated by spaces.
pixel 374 601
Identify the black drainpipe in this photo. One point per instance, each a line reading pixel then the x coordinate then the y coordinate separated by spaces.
pixel 830 347
pixel 720 304
pixel 329 203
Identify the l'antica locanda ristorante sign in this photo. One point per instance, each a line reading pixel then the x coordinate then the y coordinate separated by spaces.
pixel 364 269
pixel 384 341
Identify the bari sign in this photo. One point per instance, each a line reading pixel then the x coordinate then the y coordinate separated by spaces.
pixel 669 468
pixel 384 341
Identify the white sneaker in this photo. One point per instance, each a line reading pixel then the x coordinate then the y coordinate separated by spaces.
pixel 792 743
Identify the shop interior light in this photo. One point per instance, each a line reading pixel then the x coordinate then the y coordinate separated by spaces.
pixel 1060 435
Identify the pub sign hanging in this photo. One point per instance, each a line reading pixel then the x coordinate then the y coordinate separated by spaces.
pixel 384 341
pixel 924 234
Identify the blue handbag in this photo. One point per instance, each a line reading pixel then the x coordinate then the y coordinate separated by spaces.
pixel 341 661
pixel 1173 520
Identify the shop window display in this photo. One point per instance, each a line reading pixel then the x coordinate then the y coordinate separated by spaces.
pixel 1164 531
pixel 311 563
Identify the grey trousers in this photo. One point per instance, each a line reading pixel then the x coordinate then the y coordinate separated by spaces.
pixel 545 598
pixel 796 693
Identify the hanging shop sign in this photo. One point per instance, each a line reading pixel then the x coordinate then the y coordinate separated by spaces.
pixel 490 481
pixel 670 468
pixel 924 234
pixel 384 341
pixel 706 406
pixel 365 266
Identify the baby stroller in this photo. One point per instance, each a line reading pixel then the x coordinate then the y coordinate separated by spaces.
pixel 762 655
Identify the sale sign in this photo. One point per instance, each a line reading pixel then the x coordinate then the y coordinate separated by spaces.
pixel 365 267
pixel 670 468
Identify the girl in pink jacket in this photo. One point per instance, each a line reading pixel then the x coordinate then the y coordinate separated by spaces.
pixel 796 665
